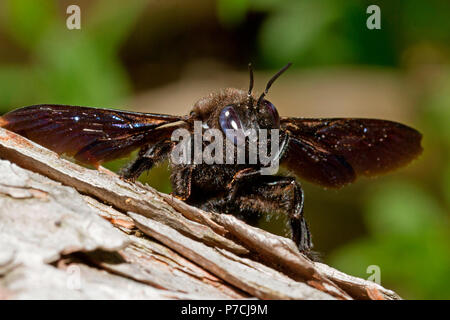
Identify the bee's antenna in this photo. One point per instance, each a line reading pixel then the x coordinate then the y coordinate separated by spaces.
pixel 272 80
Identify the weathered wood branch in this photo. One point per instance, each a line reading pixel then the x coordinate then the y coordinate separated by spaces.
pixel 72 232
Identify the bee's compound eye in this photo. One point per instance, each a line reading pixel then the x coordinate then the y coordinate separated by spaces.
pixel 272 111
pixel 231 124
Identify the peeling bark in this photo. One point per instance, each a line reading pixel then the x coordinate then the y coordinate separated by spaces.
pixel 68 232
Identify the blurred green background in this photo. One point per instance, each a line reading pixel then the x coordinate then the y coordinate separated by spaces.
pixel 161 56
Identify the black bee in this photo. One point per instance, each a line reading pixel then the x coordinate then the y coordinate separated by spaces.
pixel 330 152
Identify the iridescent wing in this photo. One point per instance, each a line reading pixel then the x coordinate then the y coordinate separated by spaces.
pixel 90 135
pixel 333 152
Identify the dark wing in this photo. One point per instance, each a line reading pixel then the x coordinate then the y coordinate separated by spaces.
pixel 332 152
pixel 90 135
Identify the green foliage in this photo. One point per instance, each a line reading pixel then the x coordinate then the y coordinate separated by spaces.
pixel 66 66
pixel 231 12
pixel 27 21
pixel 446 184
pixel 408 240
pixel 408 224
pixel 321 32
pixel 334 32
pixel 437 111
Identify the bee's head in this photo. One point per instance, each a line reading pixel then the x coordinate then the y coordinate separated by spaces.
pixel 234 109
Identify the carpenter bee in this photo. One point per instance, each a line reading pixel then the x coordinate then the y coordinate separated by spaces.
pixel 331 152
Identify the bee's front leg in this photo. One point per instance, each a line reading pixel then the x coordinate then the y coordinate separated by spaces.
pixel 146 159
